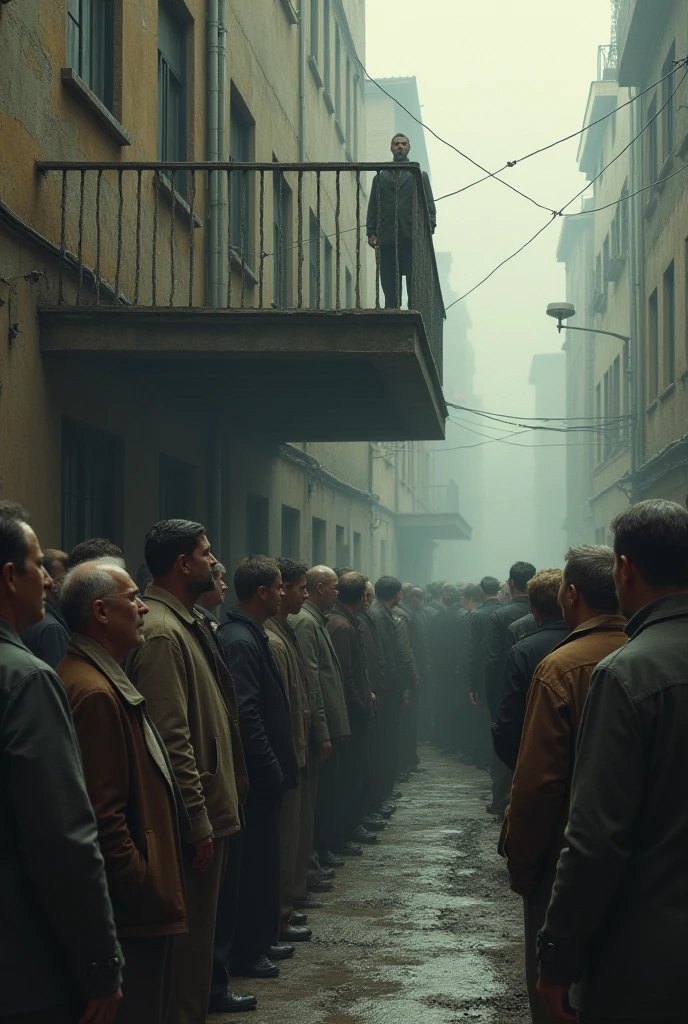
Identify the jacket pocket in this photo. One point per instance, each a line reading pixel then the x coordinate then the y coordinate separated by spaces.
pixel 208 778
pixel 151 853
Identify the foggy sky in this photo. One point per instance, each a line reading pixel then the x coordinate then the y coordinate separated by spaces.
pixel 499 79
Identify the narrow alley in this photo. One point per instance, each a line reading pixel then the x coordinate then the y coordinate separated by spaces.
pixel 423 927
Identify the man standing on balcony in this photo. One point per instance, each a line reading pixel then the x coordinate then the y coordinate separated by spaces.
pixel 389 224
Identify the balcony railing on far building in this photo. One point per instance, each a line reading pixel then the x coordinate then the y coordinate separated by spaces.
pixel 243 236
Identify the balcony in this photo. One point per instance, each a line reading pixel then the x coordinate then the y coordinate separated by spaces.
pixel 254 285
pixel 640 27
pixel 436 517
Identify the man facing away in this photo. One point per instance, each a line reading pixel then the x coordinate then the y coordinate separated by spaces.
pixel 210 602
pixel 618 918
pixel 310 627
pixel 48 638
pixel 398 680
pixel 191 700
pixel 292 668
pixel 266 733
pixel 524 657
pixel 539 808
pixel 129 782
pixel 59 958
pixel 389 223
pixel 479 626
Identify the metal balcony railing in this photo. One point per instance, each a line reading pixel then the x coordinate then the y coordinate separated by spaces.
pixel 245 236
pixel 437 498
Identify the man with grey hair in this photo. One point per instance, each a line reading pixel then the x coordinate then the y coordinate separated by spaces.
pixel 211 601
pixel 539 808
pixel 128 778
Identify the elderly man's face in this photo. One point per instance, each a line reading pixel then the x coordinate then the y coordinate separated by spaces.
pixel 125 611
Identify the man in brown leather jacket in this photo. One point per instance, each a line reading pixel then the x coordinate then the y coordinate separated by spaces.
pixel 129 782
pixel 538 812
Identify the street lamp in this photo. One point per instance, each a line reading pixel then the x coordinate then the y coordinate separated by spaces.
pixel 564 311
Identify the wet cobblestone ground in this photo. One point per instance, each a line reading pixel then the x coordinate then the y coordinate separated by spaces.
pixel 423 927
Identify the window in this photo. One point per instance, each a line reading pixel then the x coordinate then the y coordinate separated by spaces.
pixel 319 541
pixel 328 272
pixel 291 532
pixel 91 483
pixel 626 379
pixel 669 325
pixel 257 542
pixel 337 72
pixel 314 269
pixel 668 103
pixel 623 229
pixel 383 556
pixel 616 403
pixel 282 234
pixel 326 44
pixel 348 289
pixel 171 87
pixel 598 414
pixel 342 554
pixel 651 143
pixel 607 437
pixel 652 346
pixel 357 551
pixel 315 28
pixel 241 127
pixel 605 262
pixel 177 489
pixel 347 86
pixel 90 46
pixel 355 103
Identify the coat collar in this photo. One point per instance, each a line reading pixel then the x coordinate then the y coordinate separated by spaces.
pixel 673 606
pixel 599 624
pixel 9 636
pixel 490 600
pixel 314 612
pixel 340 609
pixel 163 596
pixel 86 647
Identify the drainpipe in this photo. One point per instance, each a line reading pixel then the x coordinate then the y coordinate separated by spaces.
pixel 302 83
pixel 222 154
pixel 637 306
pixel 212 150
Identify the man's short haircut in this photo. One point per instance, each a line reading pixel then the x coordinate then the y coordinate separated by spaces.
pixel 352 586
pixel 92 549
pixel 83 584
pixel 653 535
pixel 590 569
pixel 400 135
pixel 253 572
pixel 520 573
pixel 53 555
pixel 490 585
pixel 387 587
pixel 406 590
pixel 167 540
pixel 418 592
pixel 543 591
pixel 14 546
pixel 471 592
pixel 291 570
pixel 143 577
pixel 218 570
pixel 341 570
pixel 434 591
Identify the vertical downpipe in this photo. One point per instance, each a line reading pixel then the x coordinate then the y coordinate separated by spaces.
pixel 214 252
pixel 302 82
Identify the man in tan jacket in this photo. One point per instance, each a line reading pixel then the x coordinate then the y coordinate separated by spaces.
pixel 538 812
pixel 129 782
pixel 191 700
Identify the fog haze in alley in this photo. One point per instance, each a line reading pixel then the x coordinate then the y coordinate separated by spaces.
pixel 499 80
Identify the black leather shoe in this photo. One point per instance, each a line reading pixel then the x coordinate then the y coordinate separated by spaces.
pixel 418 770
pixel 294 933
pixel 261 967
pixel 403 777
pixel 374 824
pixel 332 860
pixel 362 835
pixel 326 874
pixel 308 903
pixel 281 950
pixel 397 794
pixel 230 1002
pixel 320 886
pixel 296 917
pixel 349 850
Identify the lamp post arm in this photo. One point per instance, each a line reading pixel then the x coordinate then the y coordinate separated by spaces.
pixel 592 330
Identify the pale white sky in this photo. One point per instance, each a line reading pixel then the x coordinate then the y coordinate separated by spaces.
pixel 499 79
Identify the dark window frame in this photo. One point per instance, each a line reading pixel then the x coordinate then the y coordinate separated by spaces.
pixel 91 46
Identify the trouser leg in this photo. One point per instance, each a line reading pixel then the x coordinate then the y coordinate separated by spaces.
pixel 390 275
pixel 326 801
pixel 290 823
pixel 352 774
pixel 258 915
pixel 56 1015
pixel 192 960
pixel 225 922
pixel 147 980
pixel 308 798
pixel 534 911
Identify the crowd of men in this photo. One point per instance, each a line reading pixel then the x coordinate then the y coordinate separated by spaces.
pixel 181 783
pixel 189 777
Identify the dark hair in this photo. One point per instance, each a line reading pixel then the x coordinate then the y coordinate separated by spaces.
pixel 291 570
pixel 490 585
pixel 143 577
pixel 400 135
pixel 471 592
pixel 90 550
pixel 520 573
pixel 450 591
pixel 342 570
pixel 653 535
pixel 590 569
pixel 253 572
pixel 52 555
pixel 167 540
pixel 434 590
pixel 13 544
pixel 387 587
pixel 352 586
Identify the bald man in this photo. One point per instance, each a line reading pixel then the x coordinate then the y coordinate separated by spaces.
pixel 311 630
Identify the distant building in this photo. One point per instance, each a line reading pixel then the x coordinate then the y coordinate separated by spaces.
pixel 548 377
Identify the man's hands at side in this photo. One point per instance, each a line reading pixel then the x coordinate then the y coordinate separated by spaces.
pixel 372 241
pixel 324 751
pixel 204 854
pixel 103 1010
pixel 555 999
